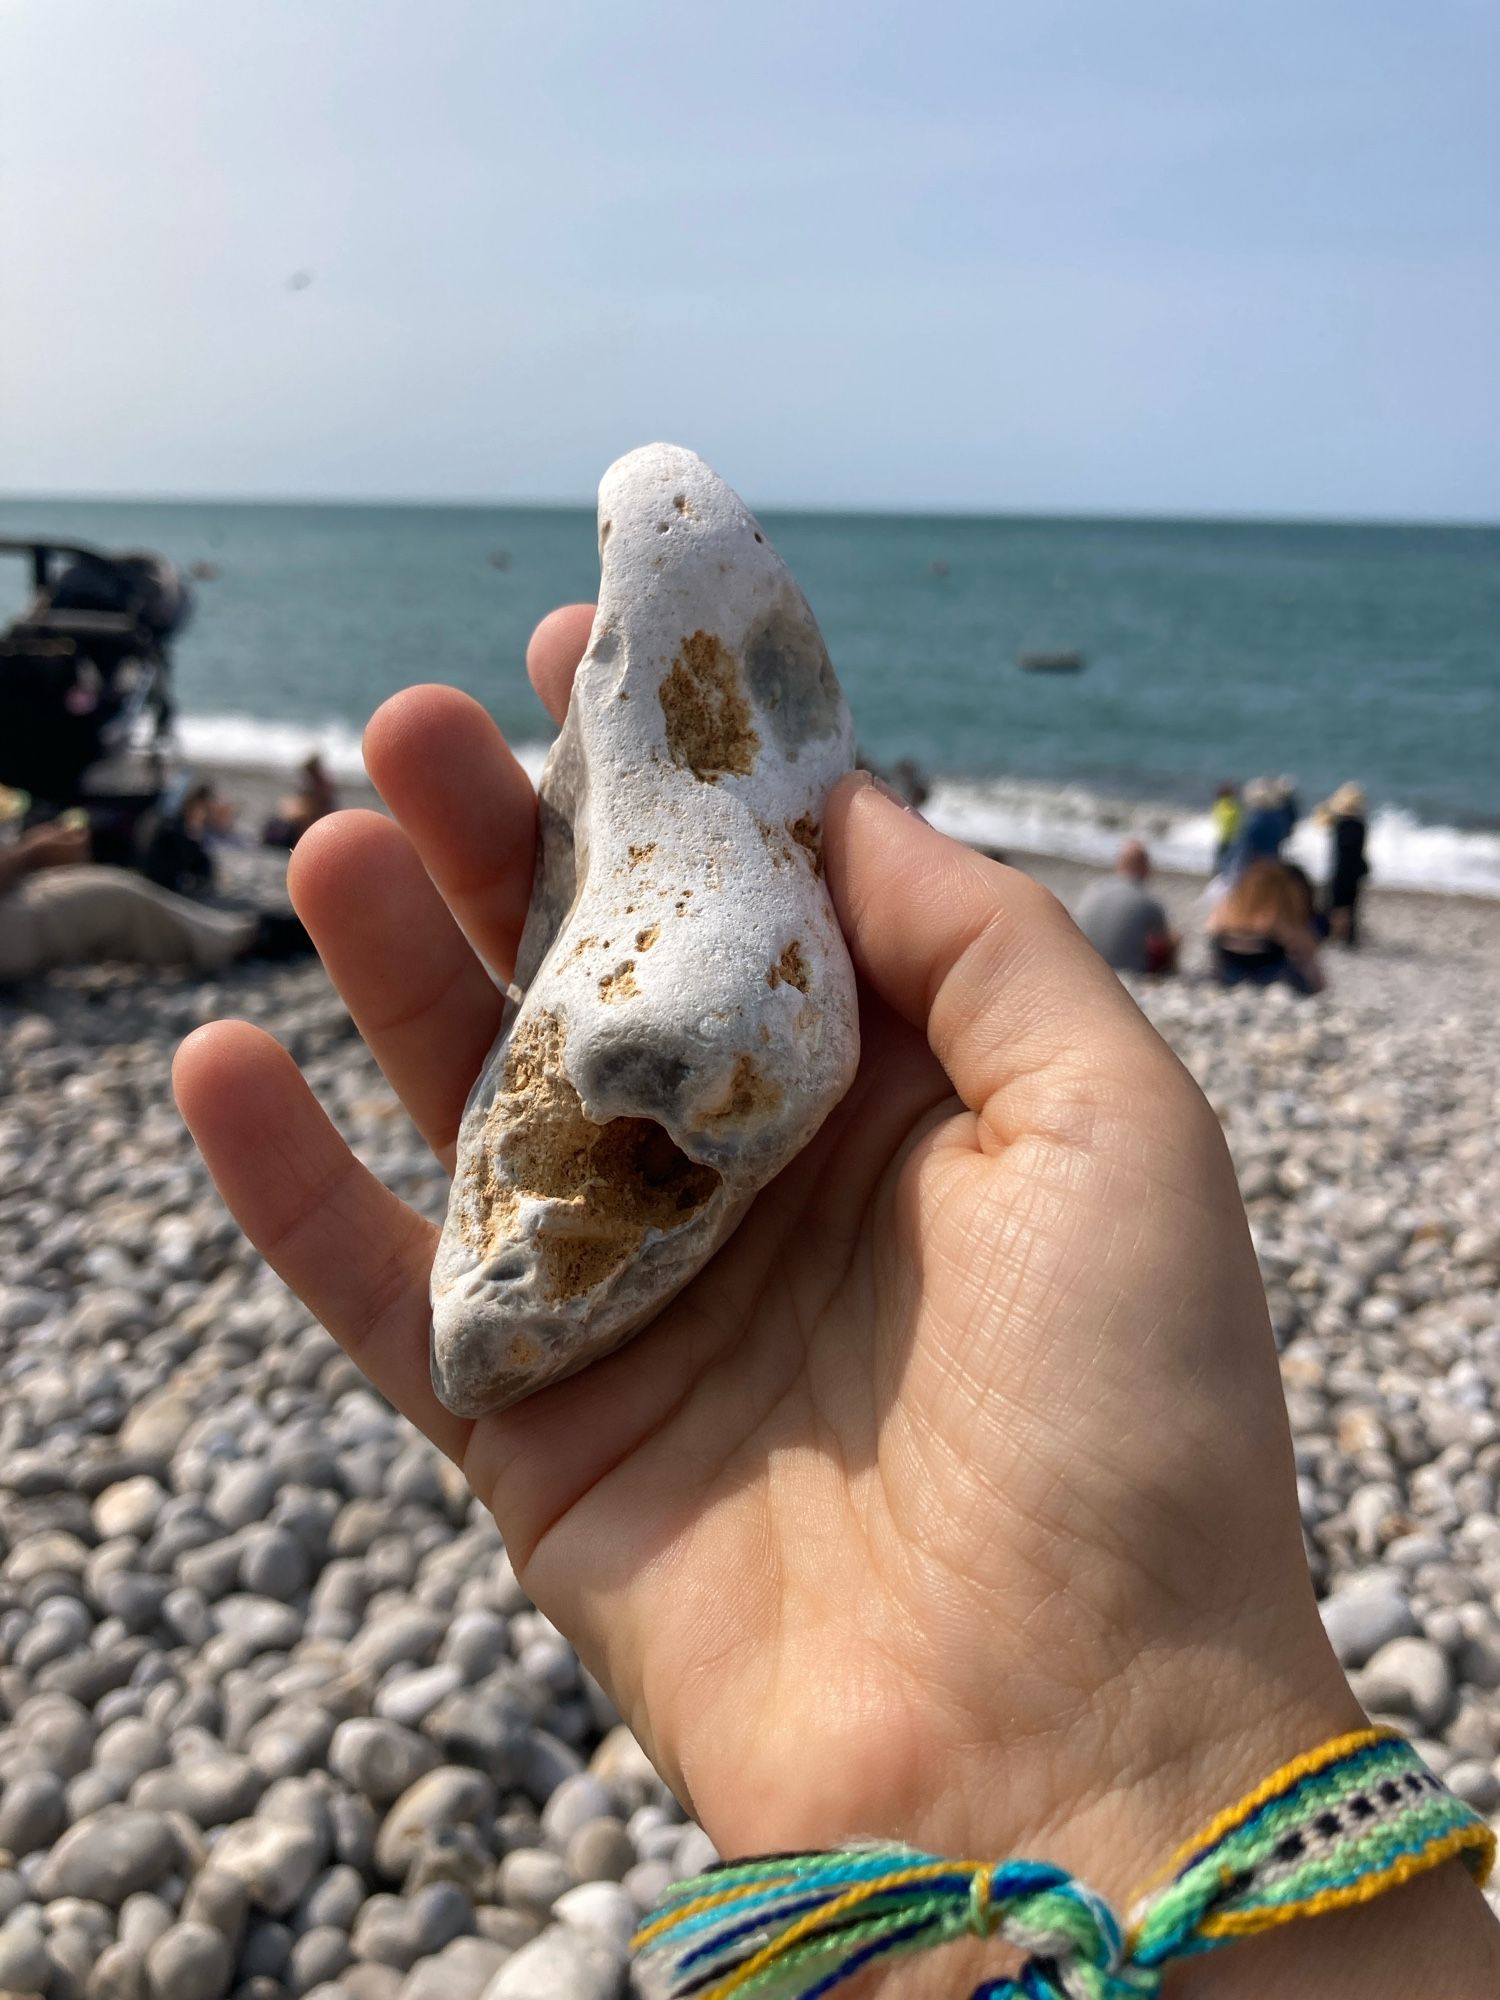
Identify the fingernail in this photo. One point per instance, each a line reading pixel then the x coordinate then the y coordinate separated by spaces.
pixel 887 791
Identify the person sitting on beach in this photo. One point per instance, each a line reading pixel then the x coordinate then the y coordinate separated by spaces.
pixel 1344 817
pixel 179 855
pixel 1262 930
pixel 953 1501
pixel 315 797
pixel 57 910
pixel 1226 814
pixel 1124 923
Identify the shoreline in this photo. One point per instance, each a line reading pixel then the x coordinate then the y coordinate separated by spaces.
pixel 255 790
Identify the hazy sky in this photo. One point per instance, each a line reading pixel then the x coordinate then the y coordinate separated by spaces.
pixel 1066 254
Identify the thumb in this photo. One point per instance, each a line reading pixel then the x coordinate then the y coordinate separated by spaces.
pixel 978 955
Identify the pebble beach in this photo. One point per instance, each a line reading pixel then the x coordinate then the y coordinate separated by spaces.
pixel 276 1717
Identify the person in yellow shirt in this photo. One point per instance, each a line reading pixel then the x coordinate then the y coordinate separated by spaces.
pixel 1226 814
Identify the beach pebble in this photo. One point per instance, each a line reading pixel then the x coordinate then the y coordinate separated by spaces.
pixel 275 1860
pixel 109 1856
pixel 318 1955
pixel 462 1970
pixel 33 1811
pixel 561 1964
pixel 379 1759
pixel 450 1796
pixel 24 1964
pixel 1363 1618
pixel 601 1851
pixel 575 1802
pixel 531 1879
pixel 189 1962
pixel 1410 1677
pixel 600 1910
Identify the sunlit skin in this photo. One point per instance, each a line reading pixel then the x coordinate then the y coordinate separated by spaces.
pixel 953 1501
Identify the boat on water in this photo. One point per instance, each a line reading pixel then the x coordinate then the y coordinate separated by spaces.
pixel 1050 663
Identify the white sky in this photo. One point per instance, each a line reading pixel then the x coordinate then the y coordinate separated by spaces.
pixel 1067 254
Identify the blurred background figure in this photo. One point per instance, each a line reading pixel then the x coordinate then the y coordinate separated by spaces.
pixel 179 855
pixel 1226 814
pixel 1344 817
pixel 1124 922
pixel 1270 814
pixel 56 910
pixel 315 797
pixel 1262 931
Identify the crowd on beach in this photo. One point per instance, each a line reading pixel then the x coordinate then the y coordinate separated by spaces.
pixel 58 908
pixel 1264 919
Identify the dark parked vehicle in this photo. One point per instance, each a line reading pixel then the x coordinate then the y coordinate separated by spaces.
pixel 85 687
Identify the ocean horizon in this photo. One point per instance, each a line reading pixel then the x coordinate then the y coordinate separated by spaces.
pixel 1214 649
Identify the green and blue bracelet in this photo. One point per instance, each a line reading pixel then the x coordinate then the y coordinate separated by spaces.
pixel 1329 1830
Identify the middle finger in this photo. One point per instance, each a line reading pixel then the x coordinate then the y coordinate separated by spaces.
pixel 423 1002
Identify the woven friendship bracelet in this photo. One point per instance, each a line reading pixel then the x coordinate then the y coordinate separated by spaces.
pixel 1331 1829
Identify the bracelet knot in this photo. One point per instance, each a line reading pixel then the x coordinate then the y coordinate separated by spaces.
pixel 1074 1945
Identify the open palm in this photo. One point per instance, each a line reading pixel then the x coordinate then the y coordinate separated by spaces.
pixel 957 1484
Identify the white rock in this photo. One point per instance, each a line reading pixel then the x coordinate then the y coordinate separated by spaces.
pixel 1364 1617
pixel 689 1016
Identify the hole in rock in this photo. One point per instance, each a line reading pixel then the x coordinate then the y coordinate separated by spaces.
pixel 610 1183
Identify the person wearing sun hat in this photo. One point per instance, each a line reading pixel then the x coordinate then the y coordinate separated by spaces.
pixel 1344 816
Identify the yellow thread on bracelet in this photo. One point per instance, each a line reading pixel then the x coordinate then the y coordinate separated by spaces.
pixel 1305 1766
pixel 1248 1923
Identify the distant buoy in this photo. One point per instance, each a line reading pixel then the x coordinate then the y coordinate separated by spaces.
pixel 1050 663
pixel 499 558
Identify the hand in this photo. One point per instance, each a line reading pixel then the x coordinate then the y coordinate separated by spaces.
pixel 54 844
pixel 953 1501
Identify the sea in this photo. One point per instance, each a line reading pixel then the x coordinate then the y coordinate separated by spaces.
pixel 1211 650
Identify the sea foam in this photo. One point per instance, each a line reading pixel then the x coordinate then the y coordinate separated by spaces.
pixel 1068 821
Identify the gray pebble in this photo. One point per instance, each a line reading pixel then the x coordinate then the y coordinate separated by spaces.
pixel 218 1899
pixel 212 1791
pixel 1409 1677
pixel 601 1851
pixel 379 1759
pixel 477 1642
pixel 110 1856
pixel 242 1494
pixel 33 1811
pixel 273 1563
pixel 410 1698
pixel 276 1860
pixel 118 1974
pixel 648 1882
pixel 576 1801
pixel 267 1949
pixel 334 1899
pixel 24 1965
pixel 561 1964
pixel 461 1971
pixel 696 1853
pixel 531 1879
pixel 448 1796
pixel 192 1962
pixel 319 1954
pixel 143 1919
pixel 600 1910
pixel 1360 1620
